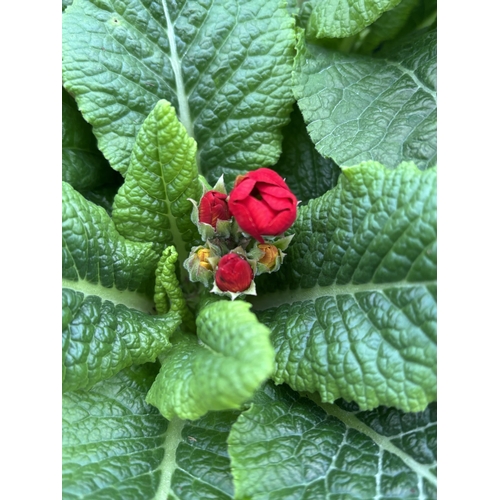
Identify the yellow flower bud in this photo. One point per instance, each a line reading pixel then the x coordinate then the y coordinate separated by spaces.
pixel 203 254
pixel 270 254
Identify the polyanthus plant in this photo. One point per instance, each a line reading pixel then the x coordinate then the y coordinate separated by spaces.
pixel 221 340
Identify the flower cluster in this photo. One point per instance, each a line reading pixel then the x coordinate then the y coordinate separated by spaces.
pixel 242 231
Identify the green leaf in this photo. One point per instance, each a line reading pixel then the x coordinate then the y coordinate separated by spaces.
pixel 353 309
pixel 115 446
pixel 307 173
pixel 403 19
pixel 359 108
pixel 202 462
pixel 83 165
pixel 106 319
pixel 152 205
pixel 225 67
pixel 340 19
pixel 285 447
pixel 219 371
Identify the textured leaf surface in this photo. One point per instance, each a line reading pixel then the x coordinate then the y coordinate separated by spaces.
pixel 342 18
pixel 152 205
pixel 224 66
pixel 353 309
pixel 106 321
pixel 83 165
pixel 117 447
pixel 285 447
pixel 307 173
pixel 202 461
pixel 220 371
pixel 359 108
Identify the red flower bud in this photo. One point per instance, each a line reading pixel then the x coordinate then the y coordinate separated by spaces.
pixel 233 274
pixel 262 203
pixel 213 207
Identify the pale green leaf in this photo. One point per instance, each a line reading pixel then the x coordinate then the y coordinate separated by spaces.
pixel 307 173
pixel 285 447
pixel 152 205
pixel 116 447
pixel 360 108
pixel 224 66
pixel 83 165
pixel 353 309
pixel 343 18
pixel 107 322
pixel 221 370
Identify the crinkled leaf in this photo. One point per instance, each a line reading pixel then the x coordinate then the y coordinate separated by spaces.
pixel 404 18
pixel 152 205
pixel 83 165
pixel 307 173
pixel 359 108
pixel 202 461
pixel 340 19
pixel 106 319
pixel 224 66
pixel 232 357
pixel 353 309
pixel 285 447
pixel 117 447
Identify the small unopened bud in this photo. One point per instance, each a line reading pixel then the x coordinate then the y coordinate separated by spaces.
pixel 271 254
pixel 203 255
pixel 213 207
pixel 234 273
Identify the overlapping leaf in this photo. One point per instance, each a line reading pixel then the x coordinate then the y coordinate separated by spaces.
pixel 225 67
pixel 307 173
pixel 107 322
pixel 284 447
pixel 407 16
pixel 353 309
pixel 221 370
pixel 340 19
pixel 115 446
pixel 360 108
pixel 83 165
pixel 152 205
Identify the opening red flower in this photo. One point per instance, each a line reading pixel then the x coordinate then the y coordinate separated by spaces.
pixel 213 207
pixel 262 204
pixel 233 274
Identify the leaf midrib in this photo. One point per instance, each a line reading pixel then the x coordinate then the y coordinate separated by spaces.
pixel 287 296
pixel 173 437
pixel 127 298
pixel 175 61
pixel 422 470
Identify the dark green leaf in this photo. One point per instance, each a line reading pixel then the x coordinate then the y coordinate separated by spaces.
pixel 106 319
pixel 307 173
pixel 225 67
pixel 359 108
pixel 285 447
pixel 353 309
